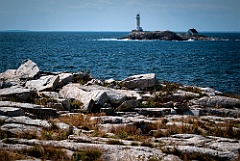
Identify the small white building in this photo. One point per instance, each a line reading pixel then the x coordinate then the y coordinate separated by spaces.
pixel 138 27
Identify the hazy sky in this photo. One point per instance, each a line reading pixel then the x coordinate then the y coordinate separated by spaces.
pixel 119 15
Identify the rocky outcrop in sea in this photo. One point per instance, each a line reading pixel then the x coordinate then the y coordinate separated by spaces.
pixel 166 35
pixel 74 116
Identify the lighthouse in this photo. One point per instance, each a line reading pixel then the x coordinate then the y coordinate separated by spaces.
pixel 138 28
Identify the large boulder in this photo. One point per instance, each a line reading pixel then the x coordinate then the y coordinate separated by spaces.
pixel 218 101
pixel 28 70
pixel 88 98
pixel 91 95
pixel 18 93
pixel 140 81
pixel 44 83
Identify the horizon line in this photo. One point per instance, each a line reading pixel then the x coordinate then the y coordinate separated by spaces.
pixel 104 31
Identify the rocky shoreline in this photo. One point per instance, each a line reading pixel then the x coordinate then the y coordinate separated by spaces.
pixel 74 116
pixel 166 35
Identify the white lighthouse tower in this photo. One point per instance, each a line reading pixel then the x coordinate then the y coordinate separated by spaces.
pixel 138 28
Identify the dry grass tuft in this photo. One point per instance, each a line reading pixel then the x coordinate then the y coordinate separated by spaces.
pixel 81 120
pixel 90 154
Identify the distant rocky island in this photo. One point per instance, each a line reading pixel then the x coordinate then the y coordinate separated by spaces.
pixel 140 34
pixel 165 35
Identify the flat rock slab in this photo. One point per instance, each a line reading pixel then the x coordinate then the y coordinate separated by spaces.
pixel 11 111
pixel 37 110
pixel 18 93
pixel 180 95
pixel 111 152
pixel 28 121
pixel 21 128
pixel 218 101
pixel 222 148
pixel 48 82
pixel 157 112
pixel 139 81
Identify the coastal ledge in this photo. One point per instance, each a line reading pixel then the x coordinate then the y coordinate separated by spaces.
pixel 165 35
pixel 73 116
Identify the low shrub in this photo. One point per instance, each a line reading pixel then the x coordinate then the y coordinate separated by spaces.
pixel 147 144
pixel 114 142
pixel 10 155
pixel 92 154
pixel 46 153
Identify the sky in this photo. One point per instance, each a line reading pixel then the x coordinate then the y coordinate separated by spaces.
pixel 119 15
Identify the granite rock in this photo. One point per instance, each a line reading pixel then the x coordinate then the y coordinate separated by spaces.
pixel 28 70
pixel 139 81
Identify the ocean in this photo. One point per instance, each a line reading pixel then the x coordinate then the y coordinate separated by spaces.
pixel 213 64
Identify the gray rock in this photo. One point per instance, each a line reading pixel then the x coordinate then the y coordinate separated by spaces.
pixel 107 110
pixel 88 98
pixel 111 119
pixel 90 95
pixel 115 96
pixel 208 91
pixel 28 70
pixel 109 81
pixel 157 112
pixel 171 158
pixel 180 95
pixel 130 94
pixel 50 94
pixel 207 151
pixel 37 110
pixel 64 78
pixel 139 81
pixel 63 126
pixel 57 106
pixel 18 93
pixel 217 101
pixel 43 83
pixel 147 96
pixel 21 128
pixel 168 104
pixel 28 121
pixel 226 144
pixel 94 81
pixel 8 74
pixel 128 105
pixel 223 112
pixel 9 78
pixel 65 103
pixel 11 111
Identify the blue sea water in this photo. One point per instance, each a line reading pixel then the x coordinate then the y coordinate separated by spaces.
pixel 202 63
